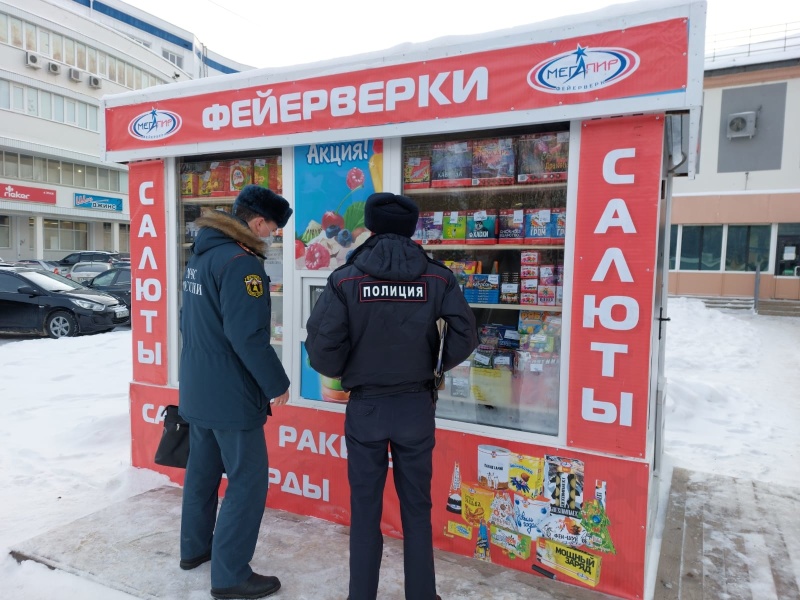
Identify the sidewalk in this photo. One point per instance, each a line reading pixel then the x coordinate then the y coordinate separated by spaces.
pixel 724 538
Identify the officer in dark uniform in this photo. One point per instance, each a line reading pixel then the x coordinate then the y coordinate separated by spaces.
pixel 375 327
pixel 228 374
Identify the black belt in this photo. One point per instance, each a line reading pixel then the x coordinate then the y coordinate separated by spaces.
pixel 362 391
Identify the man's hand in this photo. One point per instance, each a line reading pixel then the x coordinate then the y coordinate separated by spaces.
pixel 282 399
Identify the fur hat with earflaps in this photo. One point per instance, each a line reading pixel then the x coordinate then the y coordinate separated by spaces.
pixel 264 202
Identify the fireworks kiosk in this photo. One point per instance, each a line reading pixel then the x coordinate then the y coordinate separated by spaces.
pixel 541 158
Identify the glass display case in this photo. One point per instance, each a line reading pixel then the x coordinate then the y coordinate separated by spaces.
pixel 213 184
pixel 493 209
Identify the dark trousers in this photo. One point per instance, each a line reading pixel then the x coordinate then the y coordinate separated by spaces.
pixel 231 536
pixel 403 422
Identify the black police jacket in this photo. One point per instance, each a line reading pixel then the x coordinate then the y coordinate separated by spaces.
pixel 375 323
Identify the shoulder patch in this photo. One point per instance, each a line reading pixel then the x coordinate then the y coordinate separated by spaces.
pixel 254 285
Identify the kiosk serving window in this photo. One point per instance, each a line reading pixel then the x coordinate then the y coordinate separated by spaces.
pixel 493 209
pixel 213 184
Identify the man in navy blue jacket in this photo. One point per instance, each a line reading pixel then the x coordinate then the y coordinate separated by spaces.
pixel 375 327
pixel 228 374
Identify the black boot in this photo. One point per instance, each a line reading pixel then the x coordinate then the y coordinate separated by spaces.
pixel 256 586
pixel 193 563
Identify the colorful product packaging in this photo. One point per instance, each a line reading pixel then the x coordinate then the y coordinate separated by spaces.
pixel 416 171
pixel 481 227
pixel 529 298
pixel 525 475
pixel 493 465
pixel 530 257
pixel 493 161
pixel 482 289
pixel 241 174
pixel 537 224
pixel 190 180
pixel 429 228
pixel 451 164
pixel 543 157
pixel 511 226
pixel 546 295
pixel 529 271
pixel 563 485
pixel 476 503
pixel 513 542
pixel 462 270
pixel 547 275
pixel 577 564
pixel 214 181
pixel 509 288
pixel 454 227
pixel 558 225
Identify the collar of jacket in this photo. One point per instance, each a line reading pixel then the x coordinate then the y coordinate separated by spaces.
pixel 235 229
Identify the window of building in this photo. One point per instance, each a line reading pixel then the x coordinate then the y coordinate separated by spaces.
pixel 15 32
pixel 673 245
pixel 124 237
pixel 58 47
pixel 80 59
pixel 747 248
pixel 701 247
pixel 31 232
pixel 787 260
pixel 32 102
pixel 30 37
pixel 69 111
pixel 44 42
pixel 11 164
pixel 101 63
pixel 17 97
pixel 91 60
pixel 91 177
pixel 80 112
pixel 108 236
pixel 102 179
pixel 65 235
pixel 69 51
pixel 5 94
pixel 112 68
pixel 5 232
pixel 3 28
pixel 91 116
pixel 175 59
pixel 53 171
pixel 80 176
pixel 46 105
pixel 113 179
pixel 25 167
pixel 58 108
pixel 66 174
pixel 39 169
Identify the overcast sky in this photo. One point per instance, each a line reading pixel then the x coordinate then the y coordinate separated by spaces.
pixel 268 33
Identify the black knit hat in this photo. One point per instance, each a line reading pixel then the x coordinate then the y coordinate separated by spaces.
pixel 264 202
pixel 391 213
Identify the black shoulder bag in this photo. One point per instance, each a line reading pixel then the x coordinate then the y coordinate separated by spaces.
pixel 173 449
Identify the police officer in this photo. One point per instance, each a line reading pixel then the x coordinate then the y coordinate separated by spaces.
pixel 375 327
pixel 228 374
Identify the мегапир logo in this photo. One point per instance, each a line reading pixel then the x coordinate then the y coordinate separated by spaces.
pixel 155 125
pixel 583 70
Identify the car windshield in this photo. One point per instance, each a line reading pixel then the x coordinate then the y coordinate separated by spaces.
pixel 50 281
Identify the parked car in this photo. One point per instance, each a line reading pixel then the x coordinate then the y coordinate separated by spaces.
pixel 35 301
pixel 116 282
pixel 71 260
pixel 86 271
pixel 38 263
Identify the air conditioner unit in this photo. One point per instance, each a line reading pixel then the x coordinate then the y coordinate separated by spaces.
pixel 34 61
pixel 54 68
pixel 75 74
pixel 95 82
pixel 741 124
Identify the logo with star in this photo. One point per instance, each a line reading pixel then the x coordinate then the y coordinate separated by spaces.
pixel 583 70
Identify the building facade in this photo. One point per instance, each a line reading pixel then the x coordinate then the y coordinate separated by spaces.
pixel 741 213
pixel 57 59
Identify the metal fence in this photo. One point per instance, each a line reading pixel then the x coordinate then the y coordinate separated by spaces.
pixel 754 42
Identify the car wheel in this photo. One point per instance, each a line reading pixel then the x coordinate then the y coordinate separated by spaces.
pixel 61 324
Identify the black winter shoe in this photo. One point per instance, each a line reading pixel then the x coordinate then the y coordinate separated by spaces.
pixel 256 586
pixel 193 563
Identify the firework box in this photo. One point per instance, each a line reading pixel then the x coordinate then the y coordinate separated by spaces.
pixel 481 227
pixel 429 228
pixel 493 161
pixel 214 181
pixel 529 271
pixel 537 224
pixel 558 225
pixel 451 164
pixel 581 566
pixel 454 227
pixel 462 270
pixel 530 257
pixel 547 274
pixel 482 289
pixel 511 226
pixel 525 475
pixel 417 172
pixel 563 485
pixel 513 542
pixel 509 288
pixel 530 322
pixel 241 174
pixel 190 179
pixel 543 157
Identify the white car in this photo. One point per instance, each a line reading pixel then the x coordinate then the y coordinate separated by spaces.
pixel 86 271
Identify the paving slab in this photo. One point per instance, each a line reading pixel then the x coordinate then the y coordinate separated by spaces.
pixel 132 547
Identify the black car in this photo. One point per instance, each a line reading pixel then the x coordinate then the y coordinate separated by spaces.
pixel 116 281
pixel 35 301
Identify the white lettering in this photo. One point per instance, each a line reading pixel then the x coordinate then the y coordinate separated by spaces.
pixel 143 188
pixel 149 289
pixel 604 312
pixel 609 350
pixel 148 315
pixel 610 166
pixel 146 356
pixel 613 256
pixel 615 215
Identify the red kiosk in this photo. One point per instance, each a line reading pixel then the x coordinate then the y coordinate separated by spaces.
pixel 541 158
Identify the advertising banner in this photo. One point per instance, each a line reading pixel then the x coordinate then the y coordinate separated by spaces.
pixel 97 202
pixel 640 61
pixel 574 517
pixel 332 184
pixel 22 193
pixel 613 278
pixel 148 271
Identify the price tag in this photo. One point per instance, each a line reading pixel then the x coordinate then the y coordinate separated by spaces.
pixel 519 217
pixel 438 217
pixel 453 217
